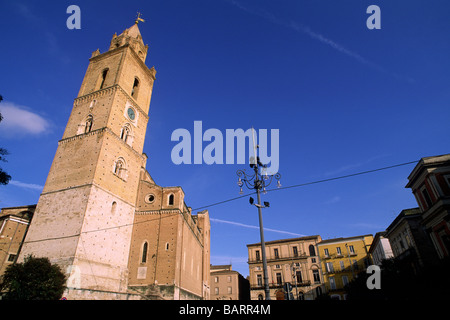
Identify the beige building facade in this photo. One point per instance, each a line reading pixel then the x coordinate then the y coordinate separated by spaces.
pixel 228 284
pixel 292 260
pixel 14 222
pixel 91 218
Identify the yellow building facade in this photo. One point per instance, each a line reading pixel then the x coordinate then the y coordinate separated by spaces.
pixel 341 260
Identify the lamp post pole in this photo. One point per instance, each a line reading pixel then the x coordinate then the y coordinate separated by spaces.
pixel 257 181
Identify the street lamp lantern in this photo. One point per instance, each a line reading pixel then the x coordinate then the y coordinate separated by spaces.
pixel 259 180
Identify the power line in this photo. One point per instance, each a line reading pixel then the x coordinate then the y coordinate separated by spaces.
pixel 312 182
pixel 232 199
pixel 343 177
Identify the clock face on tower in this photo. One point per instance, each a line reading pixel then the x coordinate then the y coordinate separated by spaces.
pixel 130 113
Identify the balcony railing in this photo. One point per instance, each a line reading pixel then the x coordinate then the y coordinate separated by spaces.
pixel 339 255
pixel 279 257
pixel 279 285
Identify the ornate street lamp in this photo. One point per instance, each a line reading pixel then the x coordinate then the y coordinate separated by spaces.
pixel 259 181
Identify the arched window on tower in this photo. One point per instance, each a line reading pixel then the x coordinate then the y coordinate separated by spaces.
pixel 171 198
pixel 135 89
pixel 113 207
pixel 119 168
pixel 144 252
pixel 103 78
pixel 88 124
pixel 125 134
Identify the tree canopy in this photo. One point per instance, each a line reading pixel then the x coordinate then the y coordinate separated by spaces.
pixel 34 279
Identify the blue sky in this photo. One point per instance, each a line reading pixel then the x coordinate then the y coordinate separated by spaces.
pixel 344 98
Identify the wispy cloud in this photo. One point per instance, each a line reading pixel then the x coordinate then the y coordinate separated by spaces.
pixel 20 120
pixel 26 185
pixel 256 227
pixel 298 27
pixel 335 199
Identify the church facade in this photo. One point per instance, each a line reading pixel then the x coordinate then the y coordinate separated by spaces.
pixel 101 216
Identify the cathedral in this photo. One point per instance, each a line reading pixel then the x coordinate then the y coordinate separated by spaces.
pixel 101 217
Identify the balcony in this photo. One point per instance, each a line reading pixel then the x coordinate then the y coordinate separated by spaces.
pixel 279 286
pixel 273 258
pixel 339 255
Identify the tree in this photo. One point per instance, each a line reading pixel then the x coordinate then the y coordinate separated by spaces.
pixel 401 281
pixel 4 177
pixel 34 279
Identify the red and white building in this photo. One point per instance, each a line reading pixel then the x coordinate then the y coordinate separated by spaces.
pixel 430 184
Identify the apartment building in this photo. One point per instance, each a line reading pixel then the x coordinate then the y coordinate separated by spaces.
pixel 341 260
pixel 380 249
pixel 14 223
pixel 409 241
pixel 430 184
pixel 293 261
pixel 228 284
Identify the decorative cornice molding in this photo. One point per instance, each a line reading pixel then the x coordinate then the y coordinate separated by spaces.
pixel 159 211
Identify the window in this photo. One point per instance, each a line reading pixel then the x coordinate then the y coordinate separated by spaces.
pixel 313 260
pixel 332 283
pixel 149 198
pixel 338 251
pixel 275 252
pixel 167 246
pixel 88 124
pixel 342 265
pixel 329 266
pixel 344 280
pixel 352 250
pixel 171 200
pixel 312 251
pixel 144 252
pixel 279 279
pixel 103 78
pixel 327 254
pixel 295 251
pixel 11 257
pixel 259 280
pixel 229 290
pixel 426 196
pixel 298 276
pixel 216 279
pixel 318 291
pixel 258 257
pixel 125 133
pixel 229 278
pixel 260 297
pixel 135 89
pixel 216 290
pixel 113 207
pixel 316 276
pixel 119 168
pixel 301 296
pixel 401 244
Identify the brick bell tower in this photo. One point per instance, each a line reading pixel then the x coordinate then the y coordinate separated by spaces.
pixel 83 220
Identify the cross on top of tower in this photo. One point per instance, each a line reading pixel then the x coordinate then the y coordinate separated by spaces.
pixel 139 18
